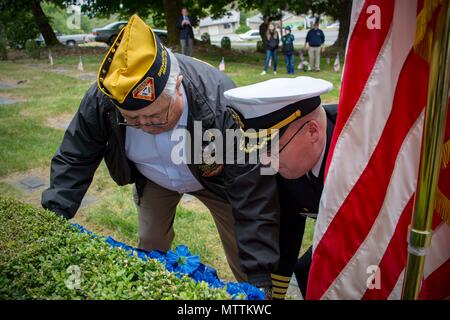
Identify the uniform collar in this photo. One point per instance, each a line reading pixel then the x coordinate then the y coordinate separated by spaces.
pixel 316 169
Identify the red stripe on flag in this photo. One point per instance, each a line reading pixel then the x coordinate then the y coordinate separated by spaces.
pixel 362 53
pixel 409 101
pixel 394 259
pixel 437 285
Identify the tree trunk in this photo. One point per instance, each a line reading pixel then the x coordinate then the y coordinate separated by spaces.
pixel 43 25
pixel 344 23
pixel 172 10
pixel 3 44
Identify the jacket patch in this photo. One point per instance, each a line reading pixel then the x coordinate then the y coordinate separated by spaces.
pixel 146 90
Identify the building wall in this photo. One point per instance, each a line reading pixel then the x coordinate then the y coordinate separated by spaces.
pixel 217 29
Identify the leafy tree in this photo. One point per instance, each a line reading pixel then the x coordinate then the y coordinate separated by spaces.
pixel 17 28
pixel 19 15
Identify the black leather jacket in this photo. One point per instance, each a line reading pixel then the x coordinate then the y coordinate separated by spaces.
pixel 94 134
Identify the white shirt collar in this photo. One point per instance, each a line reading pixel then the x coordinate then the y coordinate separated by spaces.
pixel 316 169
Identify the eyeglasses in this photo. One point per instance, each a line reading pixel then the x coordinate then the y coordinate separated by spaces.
pixel 292 137
pixel 150 124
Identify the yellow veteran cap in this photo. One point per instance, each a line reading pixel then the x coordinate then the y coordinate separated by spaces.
pixel 135 70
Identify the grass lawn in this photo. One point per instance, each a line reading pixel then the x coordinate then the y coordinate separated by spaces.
pixel 29 138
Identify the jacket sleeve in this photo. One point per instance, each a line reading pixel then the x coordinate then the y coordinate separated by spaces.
pixel 254 199
pixel 179 23
pixel 77 158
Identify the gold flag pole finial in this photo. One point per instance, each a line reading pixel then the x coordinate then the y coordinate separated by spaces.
pixel 419 237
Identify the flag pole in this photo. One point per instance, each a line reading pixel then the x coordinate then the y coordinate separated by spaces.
pixel 419 237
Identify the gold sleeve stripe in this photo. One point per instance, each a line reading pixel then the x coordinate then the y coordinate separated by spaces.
pixel 278 296
pixel 280 278
pixel 279 290
pixel 280 284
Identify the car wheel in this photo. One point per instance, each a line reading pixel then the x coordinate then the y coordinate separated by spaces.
pixel 71 43
pixel 111 40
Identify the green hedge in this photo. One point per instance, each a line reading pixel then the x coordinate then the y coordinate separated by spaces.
pixel 40 256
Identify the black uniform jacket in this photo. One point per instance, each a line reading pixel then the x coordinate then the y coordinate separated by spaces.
pixel 298 197
pixel 94 134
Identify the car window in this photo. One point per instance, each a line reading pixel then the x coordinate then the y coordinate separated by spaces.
pixel 121 26
pixel 255 34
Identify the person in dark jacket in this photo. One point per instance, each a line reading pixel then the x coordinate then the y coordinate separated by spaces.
pixel 287 42
pixel 314 44
pixel 263 30
pixel 293 106
pixel 184 24
pixel 126 119
pixel 272 43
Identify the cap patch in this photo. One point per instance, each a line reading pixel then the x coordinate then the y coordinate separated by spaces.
pixel 145 90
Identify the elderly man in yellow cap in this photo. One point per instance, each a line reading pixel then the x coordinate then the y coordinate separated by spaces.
pixel 144 92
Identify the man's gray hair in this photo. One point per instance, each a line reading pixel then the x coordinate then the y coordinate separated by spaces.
pixel 169 89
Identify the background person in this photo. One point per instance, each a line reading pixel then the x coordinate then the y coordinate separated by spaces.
pixel 273 40
pixel 184 24
pixel 314 44
pixel 287 42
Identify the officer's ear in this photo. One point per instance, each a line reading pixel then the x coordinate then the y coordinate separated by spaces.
pixel 313 131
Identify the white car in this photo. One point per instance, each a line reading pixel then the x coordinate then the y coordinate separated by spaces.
pixel 69 40
pixel 250 35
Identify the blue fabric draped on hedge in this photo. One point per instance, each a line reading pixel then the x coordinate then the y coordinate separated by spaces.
pixel 182 262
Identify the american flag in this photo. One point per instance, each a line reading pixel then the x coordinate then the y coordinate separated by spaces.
pixel 337 63
pixel 80 66
pixel 50 58
pixel 361 232
pixel 222 64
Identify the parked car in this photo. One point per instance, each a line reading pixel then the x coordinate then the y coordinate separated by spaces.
pixel 334 25
pixel 67 39
pixel 250 35
pixel 109 32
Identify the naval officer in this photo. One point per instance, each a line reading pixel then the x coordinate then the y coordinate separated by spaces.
pixel 293 106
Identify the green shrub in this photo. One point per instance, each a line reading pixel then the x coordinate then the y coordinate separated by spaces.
pixel 40 255
pixel 301 27
pixel 225 43
pixel 32 49
pixel 206 38
pixel 243 28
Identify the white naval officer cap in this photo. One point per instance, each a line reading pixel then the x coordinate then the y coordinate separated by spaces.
pixel 275 103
